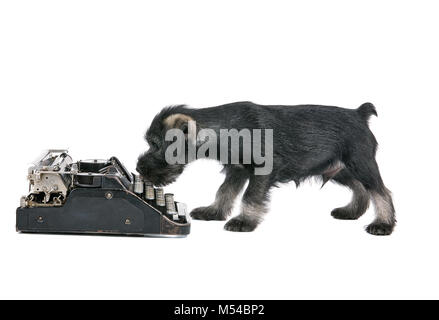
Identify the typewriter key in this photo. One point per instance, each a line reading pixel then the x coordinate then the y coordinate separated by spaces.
pixel 160 197
pixel 170 204
pixel 138 184
pixel 149 193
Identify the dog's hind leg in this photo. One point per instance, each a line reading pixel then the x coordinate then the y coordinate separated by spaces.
pixel 254 205
pixel 236 177
pixel 360 197
pixel 367 172
pixel 384 213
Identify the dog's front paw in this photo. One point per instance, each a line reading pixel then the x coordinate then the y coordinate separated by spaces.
pixel 238 224
pixel 344 214
pixel 379 229
pixel 208 213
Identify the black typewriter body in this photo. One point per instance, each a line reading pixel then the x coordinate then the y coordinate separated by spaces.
pixel 96 197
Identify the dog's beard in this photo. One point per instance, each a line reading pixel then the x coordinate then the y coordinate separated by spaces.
pixel 163 176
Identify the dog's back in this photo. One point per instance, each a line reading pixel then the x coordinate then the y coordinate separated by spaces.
pixel 306 138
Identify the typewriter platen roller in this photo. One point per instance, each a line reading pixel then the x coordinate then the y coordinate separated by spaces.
pixel 96 197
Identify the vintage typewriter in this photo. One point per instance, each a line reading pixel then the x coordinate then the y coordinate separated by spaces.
pixel 96 197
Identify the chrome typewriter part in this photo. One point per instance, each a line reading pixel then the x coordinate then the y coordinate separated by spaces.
pixel 49 179
pixel 94 196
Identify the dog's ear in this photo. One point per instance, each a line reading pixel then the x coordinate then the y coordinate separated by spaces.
pixel 183 122
pixel 178 121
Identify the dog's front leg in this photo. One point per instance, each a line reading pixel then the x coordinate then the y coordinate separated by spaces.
pixel 236 177
pixel 254 205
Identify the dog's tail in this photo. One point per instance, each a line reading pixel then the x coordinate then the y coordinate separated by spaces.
pixel 366 110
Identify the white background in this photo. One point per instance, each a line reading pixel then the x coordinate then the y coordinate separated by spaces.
pixel 90 76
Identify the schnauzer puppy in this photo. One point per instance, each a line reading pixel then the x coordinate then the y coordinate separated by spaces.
pixel 307 141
